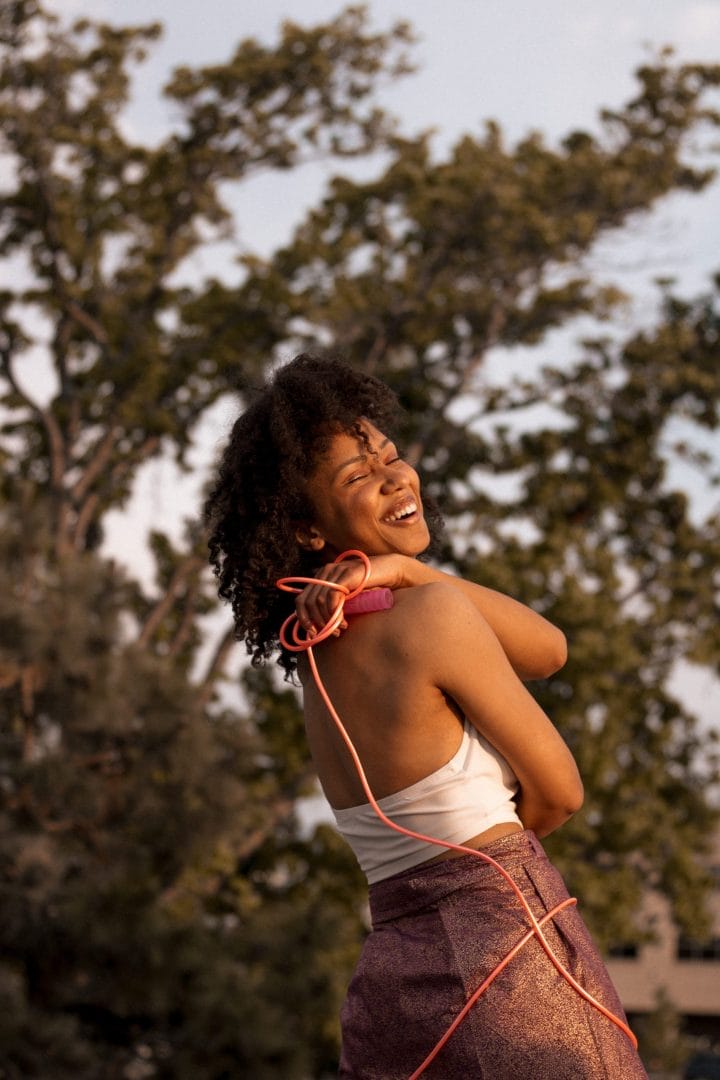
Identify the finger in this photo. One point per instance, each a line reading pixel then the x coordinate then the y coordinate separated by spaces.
pixel 326 597
pixel 316 605
pixel 348 574
pixel 306 617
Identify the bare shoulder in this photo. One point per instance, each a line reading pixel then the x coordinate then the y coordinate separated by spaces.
pixel 427 614
pixel 438 602
pixel 424 622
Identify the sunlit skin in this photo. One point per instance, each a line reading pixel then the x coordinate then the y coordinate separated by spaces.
pixel 403 679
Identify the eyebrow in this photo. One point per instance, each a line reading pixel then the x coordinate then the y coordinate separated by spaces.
pixel 358 457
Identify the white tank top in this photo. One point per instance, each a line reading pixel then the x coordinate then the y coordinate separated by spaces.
pixel 468 795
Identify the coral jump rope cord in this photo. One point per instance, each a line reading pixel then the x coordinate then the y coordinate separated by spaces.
pixel 291 638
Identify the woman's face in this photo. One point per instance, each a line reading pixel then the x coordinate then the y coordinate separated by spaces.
pixel 365 497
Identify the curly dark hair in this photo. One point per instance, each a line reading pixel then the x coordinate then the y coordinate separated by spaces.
pixel 259 496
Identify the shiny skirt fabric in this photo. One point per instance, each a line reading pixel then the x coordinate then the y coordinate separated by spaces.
pixel 438 931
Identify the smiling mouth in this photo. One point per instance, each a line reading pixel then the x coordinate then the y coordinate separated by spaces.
pixel 406 514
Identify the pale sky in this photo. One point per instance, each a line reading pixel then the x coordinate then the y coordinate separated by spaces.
pixel 530 64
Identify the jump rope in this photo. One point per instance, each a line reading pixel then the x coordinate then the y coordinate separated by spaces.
pixel 356 602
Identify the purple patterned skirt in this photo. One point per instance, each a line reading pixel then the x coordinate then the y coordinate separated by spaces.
pixel 438 931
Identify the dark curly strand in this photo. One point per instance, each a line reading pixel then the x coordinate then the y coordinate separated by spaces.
pixel 259 499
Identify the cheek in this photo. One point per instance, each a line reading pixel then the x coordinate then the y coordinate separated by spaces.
pixel 410 477
pixel 358 507
pixel 341 518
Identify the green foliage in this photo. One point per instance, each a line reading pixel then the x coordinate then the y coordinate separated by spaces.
pixel 629 574
pixel 153 880
pixel 418 275
pixel 105 224
pixel 162 911
pixel 662 1044
pixel 141 934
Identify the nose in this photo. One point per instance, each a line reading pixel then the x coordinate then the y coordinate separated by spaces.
pixel 392 478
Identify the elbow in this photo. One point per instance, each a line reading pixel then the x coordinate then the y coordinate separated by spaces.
pixel 548 824
pixel 548 814
pixel 553 656
pixel 563 811
pixel 552 817
pixel 557 651
pixel 576 799
pixel 572 796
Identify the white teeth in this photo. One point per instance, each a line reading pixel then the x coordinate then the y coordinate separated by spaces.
pixel 405 511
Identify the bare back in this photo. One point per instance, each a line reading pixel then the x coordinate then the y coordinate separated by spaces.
pixel 402 679
pixel 403 726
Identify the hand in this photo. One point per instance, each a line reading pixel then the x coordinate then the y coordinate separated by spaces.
pixel 316 604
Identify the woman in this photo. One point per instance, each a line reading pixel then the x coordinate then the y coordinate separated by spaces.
pixel 453 746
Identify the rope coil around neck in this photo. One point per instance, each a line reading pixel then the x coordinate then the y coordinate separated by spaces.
pixel 294 638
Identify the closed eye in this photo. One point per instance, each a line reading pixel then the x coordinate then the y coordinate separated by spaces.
pixel 395 459
pixel 394 454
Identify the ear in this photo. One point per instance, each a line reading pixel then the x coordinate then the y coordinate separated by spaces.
pixel 309 538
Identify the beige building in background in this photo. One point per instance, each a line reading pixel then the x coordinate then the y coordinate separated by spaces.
pixel 686 972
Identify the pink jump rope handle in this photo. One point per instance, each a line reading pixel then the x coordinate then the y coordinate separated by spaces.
pixel 372 600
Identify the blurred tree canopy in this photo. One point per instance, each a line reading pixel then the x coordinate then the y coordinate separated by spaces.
pixel 162 912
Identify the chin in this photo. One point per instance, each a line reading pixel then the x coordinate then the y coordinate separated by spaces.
pixel 413 547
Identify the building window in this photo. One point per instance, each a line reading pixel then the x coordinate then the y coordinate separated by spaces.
pixel 626 951
pixel 690 949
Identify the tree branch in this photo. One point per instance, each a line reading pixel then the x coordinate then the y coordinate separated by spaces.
pixel 186 623
pixel 376 354
pixel 216 665
pixel 492 335
pixel 187 567
pixel 283 806
pixel 86 512
pixel 91 325
pixel 84 517
pixel 52 428
pixel 99 460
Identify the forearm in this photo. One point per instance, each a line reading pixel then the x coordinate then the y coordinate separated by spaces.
pixel 534 647
pixel 551 797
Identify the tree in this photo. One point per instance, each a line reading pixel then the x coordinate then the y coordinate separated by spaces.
pixel 154 876
pixel 664 1046
pixel 146 929
pixel 418 275
pixel 631 572
pixel 104 224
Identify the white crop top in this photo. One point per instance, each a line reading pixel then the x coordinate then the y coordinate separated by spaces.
pixel 468 795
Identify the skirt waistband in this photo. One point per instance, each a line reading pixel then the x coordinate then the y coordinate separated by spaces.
pixel 414 889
